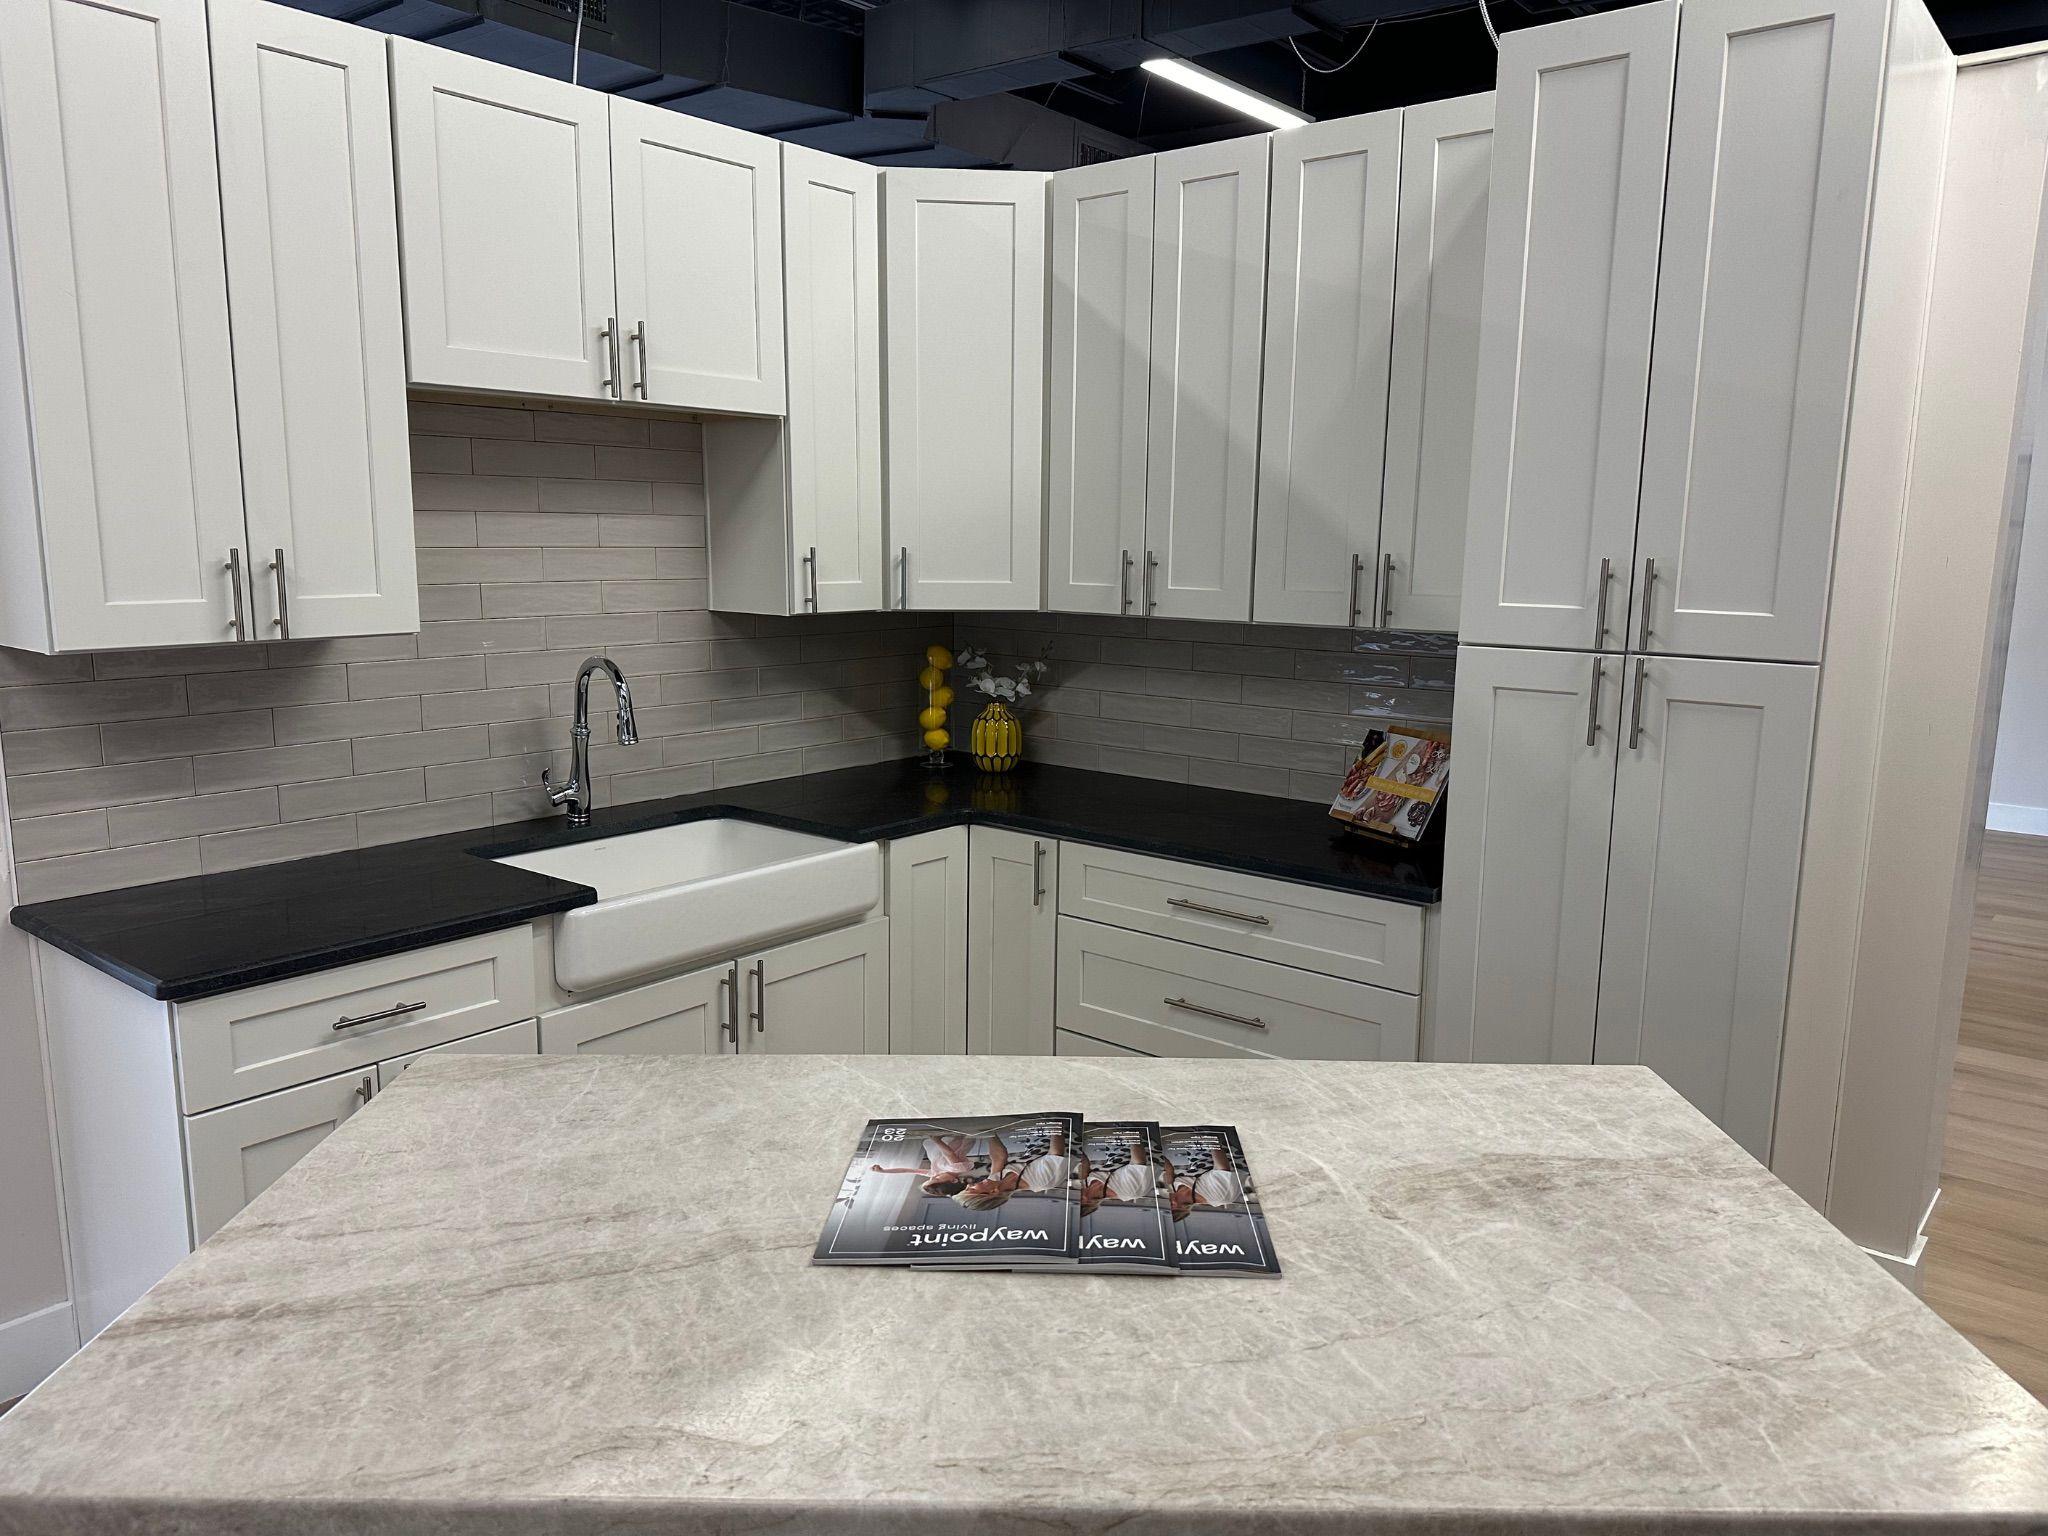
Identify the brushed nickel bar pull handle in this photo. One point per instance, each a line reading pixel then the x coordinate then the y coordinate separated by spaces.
pixel 1649 589
pixel 1635 709
pixel 1357 570
pixel 238 624
pixel 366 1090
pixel 1151 565
pixel 811 579
pixel 904 560
pixel 397 1011
pixel 1196 906
pixel 608 339
pixel 640 346
pixel 1037 872
pixel 760 997
pixel 1123 584
pixel 1593 705
pixel 1215 1013
pixel 283 621
pixel 729 1005
pixel 1600 609
pixel 1387 592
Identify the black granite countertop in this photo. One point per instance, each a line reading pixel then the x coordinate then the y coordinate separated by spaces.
pixel 185 939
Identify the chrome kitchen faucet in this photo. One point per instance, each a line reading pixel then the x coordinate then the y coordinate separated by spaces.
pixel 576 793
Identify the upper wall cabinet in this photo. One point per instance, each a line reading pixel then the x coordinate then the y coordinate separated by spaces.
pixel 1329 336
pixel 966 375
pixel 1773 134
pixel 312 254
pixel 1584 119
pixel 1208 305
pixel 1099 385
pixel 697 230
pixel 1439 272
pixel 505 209
pixel 120 490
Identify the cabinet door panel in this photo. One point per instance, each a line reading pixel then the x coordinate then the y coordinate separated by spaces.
pixel 928 944
pixel 1446 162
pixel 1100 385
pixel 831 231
pixel 679 1016
pixel 829 994
pixel 1208 303
pixel 1764 219
pixel 309 209
pixel 1329 340
pixel 1525 861
pixel 521 1039
pixel 505 216
pixel 1583 120
pixel 697 218
pixel 1708 809
pixel 115 201
pixel 232 1155
pixel 966 380
pixel 1012 931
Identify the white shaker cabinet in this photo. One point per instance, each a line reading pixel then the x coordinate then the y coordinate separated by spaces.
pixel 1012 933
pixel 1709 807
pixel 1525 856
pixel 1446 163
pixel 1583 120
pixel 683 1015
pixel 827 994
pixel 1098 385
pixel 233 1154
pixel 505 214
pixel 928 894
pixel 965 323
pixel 308 207
pixel 1329 341
pixel 1773 139
pixel 1208 305
pixel 697 225
pixel 120 486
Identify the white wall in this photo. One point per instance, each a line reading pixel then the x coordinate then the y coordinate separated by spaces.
pixel 2019 773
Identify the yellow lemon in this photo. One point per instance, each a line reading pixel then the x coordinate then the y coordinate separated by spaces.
pixel 931 719
pixel 937 740
pixel 938 656
pixel 930 678
pixel 942 696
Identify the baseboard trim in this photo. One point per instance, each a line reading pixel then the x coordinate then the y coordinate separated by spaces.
pixel 2030 820
pixel 1906 1268
pixel 33 1346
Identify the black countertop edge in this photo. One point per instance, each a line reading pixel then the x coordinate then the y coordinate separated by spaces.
pixel 181 940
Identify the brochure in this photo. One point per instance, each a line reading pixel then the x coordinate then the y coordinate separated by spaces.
pixel 1125 1219
pixel 1218 1226
pixel 991 1191
pixel 1395 786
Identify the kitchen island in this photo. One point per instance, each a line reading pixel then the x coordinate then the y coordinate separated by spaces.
pixel 548 1295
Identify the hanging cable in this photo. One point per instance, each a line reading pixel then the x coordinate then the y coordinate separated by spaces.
pixel 1336 69
pixel 1487 16
pixel 576 42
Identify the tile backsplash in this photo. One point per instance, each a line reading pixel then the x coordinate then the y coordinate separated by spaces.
pixel 544 535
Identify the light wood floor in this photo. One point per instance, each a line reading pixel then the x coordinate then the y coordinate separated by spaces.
pixel 1987 1246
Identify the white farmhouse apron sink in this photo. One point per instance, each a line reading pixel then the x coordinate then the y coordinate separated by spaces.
pixel 674 896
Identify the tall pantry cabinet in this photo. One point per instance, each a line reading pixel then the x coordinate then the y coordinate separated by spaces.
pixel 1652 526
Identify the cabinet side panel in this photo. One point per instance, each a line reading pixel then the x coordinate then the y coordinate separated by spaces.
pixel 24 605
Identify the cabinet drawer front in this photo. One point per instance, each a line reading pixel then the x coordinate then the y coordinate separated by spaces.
pixel 521 1039
pixel 1334 932
pixel 1066 1043
pixel 1162 998
pixel 232 1155
pixel 263 1038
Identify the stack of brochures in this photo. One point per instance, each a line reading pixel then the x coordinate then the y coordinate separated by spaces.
pixel 1050 1191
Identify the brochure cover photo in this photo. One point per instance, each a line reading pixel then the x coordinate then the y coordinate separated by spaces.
pixel 1125 1218
pixel 1218 1227
pixel 976 1191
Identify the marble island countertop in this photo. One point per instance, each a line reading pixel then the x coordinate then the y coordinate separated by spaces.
pixel 528 1295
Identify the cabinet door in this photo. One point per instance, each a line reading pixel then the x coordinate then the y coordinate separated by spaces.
pixel 829 994
pixel 1208 303
pixel 697 221
pixel 1774 128
pixel 1329 339
pixel 966 381
pixel 307 202
pixel 521 1039
pixel 505 204
pixel 1100 385
pixel 681 1016
pixel 1446 160
pixel 232 1155
pixel 1012 931
pixel 832 255
pixel 107 115
pixel 1709 804
pixel 1583 117
pixel 928 943
pixel 1525 861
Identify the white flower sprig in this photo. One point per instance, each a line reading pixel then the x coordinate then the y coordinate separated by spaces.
pixel 1010 686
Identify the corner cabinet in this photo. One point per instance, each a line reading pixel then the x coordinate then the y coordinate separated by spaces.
pixel 1013 884
pixel 965 304
pixel 928 926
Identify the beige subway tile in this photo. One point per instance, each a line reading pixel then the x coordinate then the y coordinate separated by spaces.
pixel 392 679
pixel 710 746
pixel 535 598
pixel 342 648
pixel 271 765
pixel 452 781
pixel 162 821
pixel 451 602
pixel 440 455
pixel 594 564
pixel 332 722
pixel 671 433
pixel 658 783
pixel 177 661
pixel 570 631
pixel 671 499
pixel 130 741
pixel 397 823
pixel 479 637
pixel 676 532
pixel 489 706
pixel 538 529
pixel 428 416
pixel 645 596
pixel 266 690
pixel 79 874
pixel 49 837
pixel 448 744
pixel 558 461
pixel 443 530
pixel 672 464
pixel 80 789
pixel 28 668
pixel 632 496
pixel 751 770
pixel 682 562
pixel 273 845
pixel 475 493
pixel 360 792
pixel 83 703
pixel 64 746
pixel 442 566
pixel 590 427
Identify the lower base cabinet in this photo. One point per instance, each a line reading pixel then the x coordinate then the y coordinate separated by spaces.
pixel 1067 1043
pixel 676 1016
pixel 928 909
pixel 1012 935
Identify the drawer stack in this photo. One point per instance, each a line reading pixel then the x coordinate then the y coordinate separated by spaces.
pixel 1159 958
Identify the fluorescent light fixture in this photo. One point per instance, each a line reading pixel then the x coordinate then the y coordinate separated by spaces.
pixel 1207 83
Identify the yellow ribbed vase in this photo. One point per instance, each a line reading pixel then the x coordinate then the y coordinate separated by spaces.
pixel 997 739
